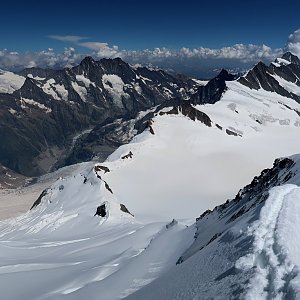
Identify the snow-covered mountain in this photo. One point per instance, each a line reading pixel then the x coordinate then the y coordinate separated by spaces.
pixel 52 118
pixel 44 113
pixel 88 234
pixel 126 227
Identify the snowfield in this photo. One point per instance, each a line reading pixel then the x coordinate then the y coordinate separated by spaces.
pixel 246 249
pixel 126 227
pixel 10 82
pixel 68 252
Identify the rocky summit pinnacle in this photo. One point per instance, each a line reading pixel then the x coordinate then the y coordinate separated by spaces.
pixel 291 58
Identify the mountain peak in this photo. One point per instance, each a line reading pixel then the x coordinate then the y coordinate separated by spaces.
pixel 225 75
pixel 87 61
pixel 290 57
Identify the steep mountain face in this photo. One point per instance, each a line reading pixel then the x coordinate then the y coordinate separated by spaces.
pixel 281 77
pixel 214 89
pixel 47 112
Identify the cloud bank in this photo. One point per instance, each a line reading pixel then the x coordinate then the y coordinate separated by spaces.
pixel 193 61
pixel 293 43
pixel 68 38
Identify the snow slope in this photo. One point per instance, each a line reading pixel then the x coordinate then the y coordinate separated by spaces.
pixel 183 154
pixel 245 249
pixel 67 251
pixel 10 82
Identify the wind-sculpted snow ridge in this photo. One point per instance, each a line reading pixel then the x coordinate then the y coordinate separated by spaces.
pixel 275 256
pixel 247 248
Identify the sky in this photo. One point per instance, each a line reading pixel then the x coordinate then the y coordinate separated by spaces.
pixel 187 36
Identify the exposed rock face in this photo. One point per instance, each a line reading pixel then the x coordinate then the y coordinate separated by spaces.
pixel 102 168
pixel 291 58
pixel 255 192
pixel 212 92
pixel 280 173
pixel 101 211
pixel 39 199
pixel 188 110
pixel 262 76
pixel 124 209
pixel 230 132
pixel 37 72
pixel 112 133
pixel 171 224
pixel 129 155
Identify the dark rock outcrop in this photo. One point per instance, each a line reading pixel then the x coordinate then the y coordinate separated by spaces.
pixel 123 208
pixel 230 132
pixel 39 199
pixel 99 168
pixel 188 110
pixel 129 155
pixel 101 211
pixel 213 91
pixel 288 56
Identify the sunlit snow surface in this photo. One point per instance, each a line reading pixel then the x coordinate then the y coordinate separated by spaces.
pixel 10 82
pixel 255 256
pixel 60 250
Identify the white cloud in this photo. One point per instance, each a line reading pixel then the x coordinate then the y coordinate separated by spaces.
pixel 47 58
pixel 94 45
pixel 31 64
pixel 68 38
pixel 103 49
pixel 293 43
pixel 241 52
pixel 185 60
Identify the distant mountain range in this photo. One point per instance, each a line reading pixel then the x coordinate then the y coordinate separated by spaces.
pixel 45 113
pixel 52 118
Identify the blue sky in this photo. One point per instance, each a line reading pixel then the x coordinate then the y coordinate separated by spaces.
pixel 88 27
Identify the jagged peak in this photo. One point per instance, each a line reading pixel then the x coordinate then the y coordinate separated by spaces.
pixel 87 60
pixel 289 56
pixel 225 75
pixel 286 59
pixel 260 66
pixel 114 62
